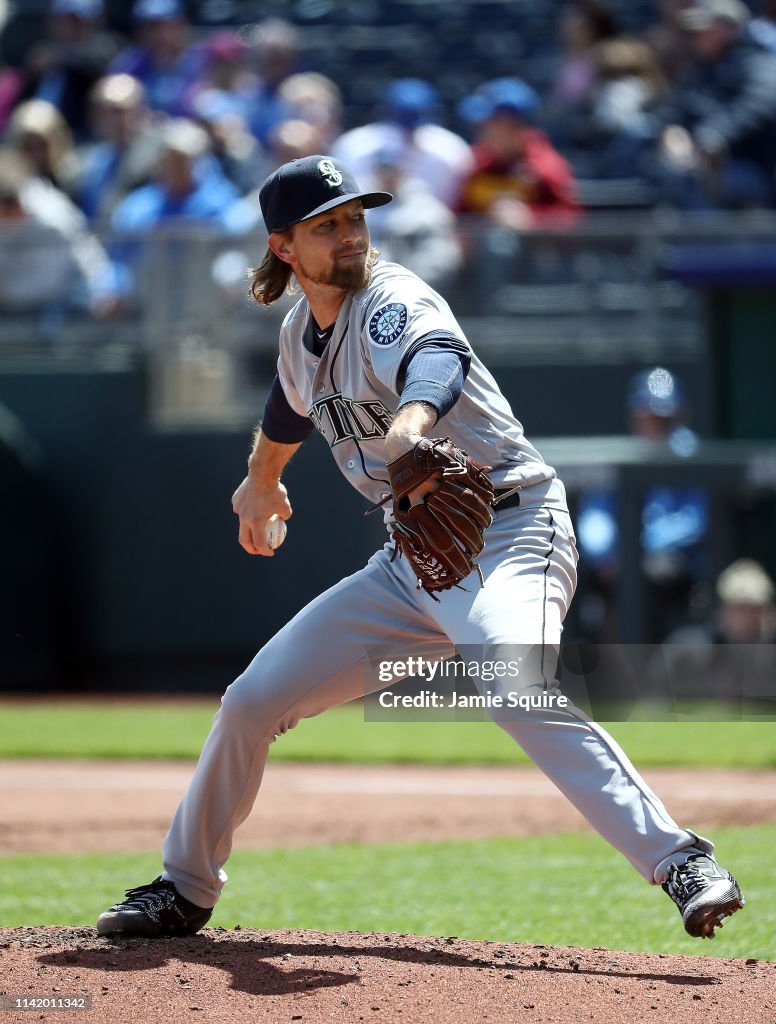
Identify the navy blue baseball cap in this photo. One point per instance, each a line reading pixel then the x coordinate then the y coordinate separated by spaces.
pixel 410 102
pixel 510 96
pixel 304 188
pixel 655 392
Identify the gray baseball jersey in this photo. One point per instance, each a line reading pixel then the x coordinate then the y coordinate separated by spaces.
pixel 351 392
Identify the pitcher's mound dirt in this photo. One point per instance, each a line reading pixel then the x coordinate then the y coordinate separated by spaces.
pixel 245 975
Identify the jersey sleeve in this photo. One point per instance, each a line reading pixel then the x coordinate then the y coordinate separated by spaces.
pixel 280 423
pixel 434 375
pixel 400 313
pixel 286 376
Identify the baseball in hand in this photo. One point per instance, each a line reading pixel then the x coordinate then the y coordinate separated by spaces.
pixel 276 532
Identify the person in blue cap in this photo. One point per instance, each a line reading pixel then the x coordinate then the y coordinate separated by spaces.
pixel 674 521
pixel 162 58
pixel 407 125
pixel 518 178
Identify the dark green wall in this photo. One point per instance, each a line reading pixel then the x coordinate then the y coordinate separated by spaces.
pixel 743 331
pixel 155 591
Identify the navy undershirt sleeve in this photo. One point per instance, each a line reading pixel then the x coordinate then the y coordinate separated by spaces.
pixel 434 372
pixel 280 423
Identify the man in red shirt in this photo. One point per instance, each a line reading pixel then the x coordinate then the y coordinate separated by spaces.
pixel 519 179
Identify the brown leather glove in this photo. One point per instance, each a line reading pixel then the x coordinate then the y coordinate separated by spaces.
pixel 442 535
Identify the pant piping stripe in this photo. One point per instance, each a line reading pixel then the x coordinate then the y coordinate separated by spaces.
pixel 544 595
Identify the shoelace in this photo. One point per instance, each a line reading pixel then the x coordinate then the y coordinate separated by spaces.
pixel 687 878
pixel 157 894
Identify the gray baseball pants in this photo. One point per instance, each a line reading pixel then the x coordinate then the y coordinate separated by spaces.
pixel 320 659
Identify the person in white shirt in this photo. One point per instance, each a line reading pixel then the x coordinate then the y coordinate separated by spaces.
pixel 438 157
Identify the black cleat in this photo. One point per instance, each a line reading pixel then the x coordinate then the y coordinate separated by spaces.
pixel 150 911
pixel 704 892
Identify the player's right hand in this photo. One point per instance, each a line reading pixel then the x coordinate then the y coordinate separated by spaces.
pixel 255 505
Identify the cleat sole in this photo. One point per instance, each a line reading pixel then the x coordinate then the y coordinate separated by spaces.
pixel 703 924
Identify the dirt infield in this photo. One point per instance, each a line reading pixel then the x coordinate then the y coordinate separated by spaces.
pixel 224 976
pixel 229 975
pixel 126 806
pixel 120 806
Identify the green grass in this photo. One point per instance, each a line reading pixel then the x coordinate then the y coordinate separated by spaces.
pixel 177 729
pixel 565 890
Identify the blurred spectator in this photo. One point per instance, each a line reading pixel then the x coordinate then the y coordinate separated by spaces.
pixel 123 156
pixel 719 145
pixel 39 132
pixel 49 263
pixel 582 25
pixel 291 140
pixel 416 229
pixel 763 28
pixel 668 40
pixel 224 75
pixel 189 187
pixel 11 87
pixel 519 180
pixel 747 613
pixel 162 58
pixel 614 133
pixel 189 190
pixel 732 657
pixel 674 520
pixel 430 153
pixel 275 54
pixel 74 54
pixel 624 110
pixel 314 98
pixel 237 151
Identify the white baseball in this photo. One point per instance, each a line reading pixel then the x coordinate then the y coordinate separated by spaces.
pixel 276 532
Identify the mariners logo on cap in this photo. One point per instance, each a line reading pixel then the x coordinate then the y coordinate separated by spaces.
pixel 387 323
pixel 329 173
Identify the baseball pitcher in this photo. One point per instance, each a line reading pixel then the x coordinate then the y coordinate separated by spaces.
pixel 480 554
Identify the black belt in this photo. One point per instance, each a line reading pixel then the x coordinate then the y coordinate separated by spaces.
pixel 511 501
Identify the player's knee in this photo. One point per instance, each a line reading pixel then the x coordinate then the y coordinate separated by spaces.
pixel 247 704
pixel 285 723
pixel 247 701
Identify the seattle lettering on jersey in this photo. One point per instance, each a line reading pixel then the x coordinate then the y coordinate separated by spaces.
pixel 343 419
pixel 350 388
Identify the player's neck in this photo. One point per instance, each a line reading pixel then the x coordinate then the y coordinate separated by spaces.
pixel 325 301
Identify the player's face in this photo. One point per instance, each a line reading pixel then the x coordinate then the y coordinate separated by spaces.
pixel 333 248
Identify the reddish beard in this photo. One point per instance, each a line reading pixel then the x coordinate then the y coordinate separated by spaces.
pixel 350 275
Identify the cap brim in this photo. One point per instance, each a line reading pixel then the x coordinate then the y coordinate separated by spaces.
pixel 368 199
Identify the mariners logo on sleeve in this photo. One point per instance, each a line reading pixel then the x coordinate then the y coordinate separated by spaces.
pixel 388 323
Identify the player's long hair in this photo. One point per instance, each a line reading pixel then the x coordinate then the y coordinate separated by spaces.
pixel 272 278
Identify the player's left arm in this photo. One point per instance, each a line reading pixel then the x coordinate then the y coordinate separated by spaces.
pixel 411 422
pixel 431 380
